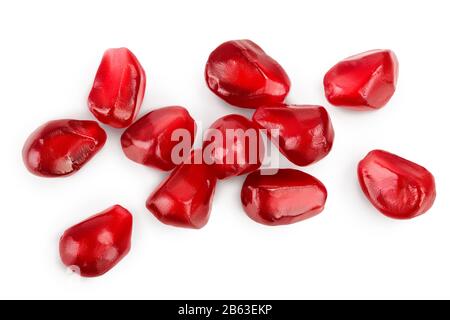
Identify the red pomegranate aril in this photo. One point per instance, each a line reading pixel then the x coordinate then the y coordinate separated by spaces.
pixel 243 75
pixel 118 88
pixel 286 197
pixel 185 197
pixel 397 187
pixel 150 141
pixel 62 147
pixel 365 81
pixel 94 246
pixel 305 133
pixel 233 146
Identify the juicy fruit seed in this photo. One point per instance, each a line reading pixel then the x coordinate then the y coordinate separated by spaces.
pixel 243 75
pixel 305 133
pixel 94 246
pixel 234 147
pixel 149 141
pixel 285 197
pixel 62 147
pixel 118 90
pixel 184 198
pixel 397 187
pixel 365 81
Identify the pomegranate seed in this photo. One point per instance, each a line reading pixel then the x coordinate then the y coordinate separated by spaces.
pixel 243 75
pixel 286 197
pixel 305 133
pixel 363 82
pixel 398 188
pixel 97 244
pixel 62 147
pixel 184 198
pixel 118 89
pixel 149 141
pixel 233 146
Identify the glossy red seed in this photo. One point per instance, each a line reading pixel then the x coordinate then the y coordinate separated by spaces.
pixel 94 246
pixel 118 88
pixel 285 197
pixel 151 140
pixel 62 147
pixel 363 82
pixel 242 74
pixel 237 150
pixel 397 187
pixel 305 133
pixel 185 197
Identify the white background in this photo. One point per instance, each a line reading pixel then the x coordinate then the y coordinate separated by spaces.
pixel 49 54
